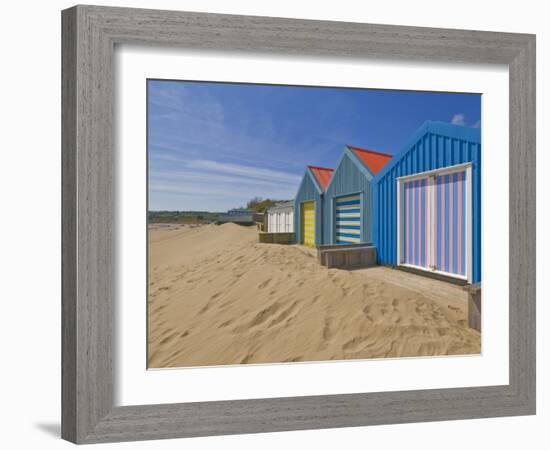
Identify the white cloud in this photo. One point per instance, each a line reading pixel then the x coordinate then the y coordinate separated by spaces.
pixel 243 171
pixel 459 119
pixel 477 124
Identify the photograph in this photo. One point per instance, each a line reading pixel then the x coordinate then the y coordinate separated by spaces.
pixel 275 225
pixel 291 224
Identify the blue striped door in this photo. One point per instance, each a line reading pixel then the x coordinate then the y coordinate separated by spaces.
pixel 348 219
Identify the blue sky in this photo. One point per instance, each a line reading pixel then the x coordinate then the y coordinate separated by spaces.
pixel 213 146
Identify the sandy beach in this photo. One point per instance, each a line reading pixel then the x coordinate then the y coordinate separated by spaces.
pixel 217 297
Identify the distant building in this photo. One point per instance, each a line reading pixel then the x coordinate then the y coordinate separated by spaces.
pixel 241 216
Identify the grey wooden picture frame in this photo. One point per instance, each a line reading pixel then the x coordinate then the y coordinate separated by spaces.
pixel 90 34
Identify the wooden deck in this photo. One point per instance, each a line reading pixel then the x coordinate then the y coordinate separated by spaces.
pixel 276 238
pixel 352 256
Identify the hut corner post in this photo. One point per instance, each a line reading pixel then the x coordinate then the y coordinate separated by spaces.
pixel 474 305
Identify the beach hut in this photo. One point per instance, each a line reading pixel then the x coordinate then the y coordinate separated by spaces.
pixel 280 218
pixel 308 206
pixel 347 198
pixel 427 203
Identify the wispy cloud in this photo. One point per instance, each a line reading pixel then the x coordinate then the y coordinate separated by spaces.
pixel 189 119
pixel 174 99
pixel 211 184
pixel 244 171
pixel 206 180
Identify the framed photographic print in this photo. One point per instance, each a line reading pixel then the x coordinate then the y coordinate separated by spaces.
pixel 278 224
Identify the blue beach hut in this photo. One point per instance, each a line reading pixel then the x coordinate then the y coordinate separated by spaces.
pixel 427 203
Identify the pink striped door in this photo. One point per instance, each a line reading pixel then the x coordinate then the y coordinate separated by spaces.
pixel 434 223
pixel 450 223
pixel 417 222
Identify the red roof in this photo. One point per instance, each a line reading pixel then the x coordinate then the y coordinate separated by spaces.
pixel 374 160
pixel 322 174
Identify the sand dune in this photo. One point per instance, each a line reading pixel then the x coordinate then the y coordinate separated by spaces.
pixel 217 296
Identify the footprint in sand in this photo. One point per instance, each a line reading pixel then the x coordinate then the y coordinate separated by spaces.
pixel 173 354
pixel 204 308
pixel 328 329
pixel 367 311
pixel 294 359
pixel 260 317
pixel 236 280
pixel 246 359
pixel 421 308
pixel 354 344
pixel 264 284
pixel 168 339
pixel 442 332
pixel 283 315
pixel 226 323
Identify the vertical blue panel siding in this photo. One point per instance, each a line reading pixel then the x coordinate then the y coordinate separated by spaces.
pixel 308 192
pixel 475 150
pixel 435 145
pixel 347 179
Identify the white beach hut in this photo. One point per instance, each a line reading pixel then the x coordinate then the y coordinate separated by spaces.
pixel 280 218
